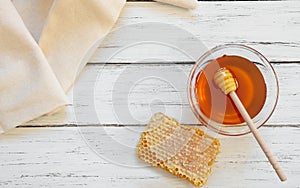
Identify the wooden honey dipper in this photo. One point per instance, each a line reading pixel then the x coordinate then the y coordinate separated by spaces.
pixel 225 81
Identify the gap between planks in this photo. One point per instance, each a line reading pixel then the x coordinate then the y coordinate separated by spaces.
pixel 269 27
pixel 95 156
pixel 101 96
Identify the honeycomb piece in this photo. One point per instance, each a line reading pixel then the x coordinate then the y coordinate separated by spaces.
pixel 183 151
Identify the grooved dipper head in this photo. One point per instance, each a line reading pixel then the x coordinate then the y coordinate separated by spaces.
pixel 225 81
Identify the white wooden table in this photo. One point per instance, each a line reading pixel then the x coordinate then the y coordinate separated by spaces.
pixel 91 143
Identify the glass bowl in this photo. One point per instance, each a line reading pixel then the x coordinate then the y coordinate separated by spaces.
pixel 264 67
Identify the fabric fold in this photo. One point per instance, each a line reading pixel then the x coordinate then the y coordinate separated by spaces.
pixel 71 32
pixel 28 87
pixel 34 14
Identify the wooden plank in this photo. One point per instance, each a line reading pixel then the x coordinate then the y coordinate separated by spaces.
pixel 59 157
pixel 130 94
pixel 270 27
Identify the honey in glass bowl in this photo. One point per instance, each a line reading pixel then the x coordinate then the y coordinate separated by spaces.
pixel 251 90
pixel 257 89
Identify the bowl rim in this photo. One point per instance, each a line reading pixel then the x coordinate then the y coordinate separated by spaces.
pixel 192 74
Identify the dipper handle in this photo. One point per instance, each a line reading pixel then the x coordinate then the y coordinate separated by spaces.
pixel 225 81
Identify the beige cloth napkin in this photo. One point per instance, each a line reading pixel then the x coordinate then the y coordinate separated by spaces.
pixel 26 78
pixel 34 76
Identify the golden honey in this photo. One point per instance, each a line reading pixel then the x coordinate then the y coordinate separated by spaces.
pixel 251 90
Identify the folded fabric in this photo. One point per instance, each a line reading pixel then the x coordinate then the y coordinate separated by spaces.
pixel 26 78
pixel 34 78
pixel 34 14
pixel 72 34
